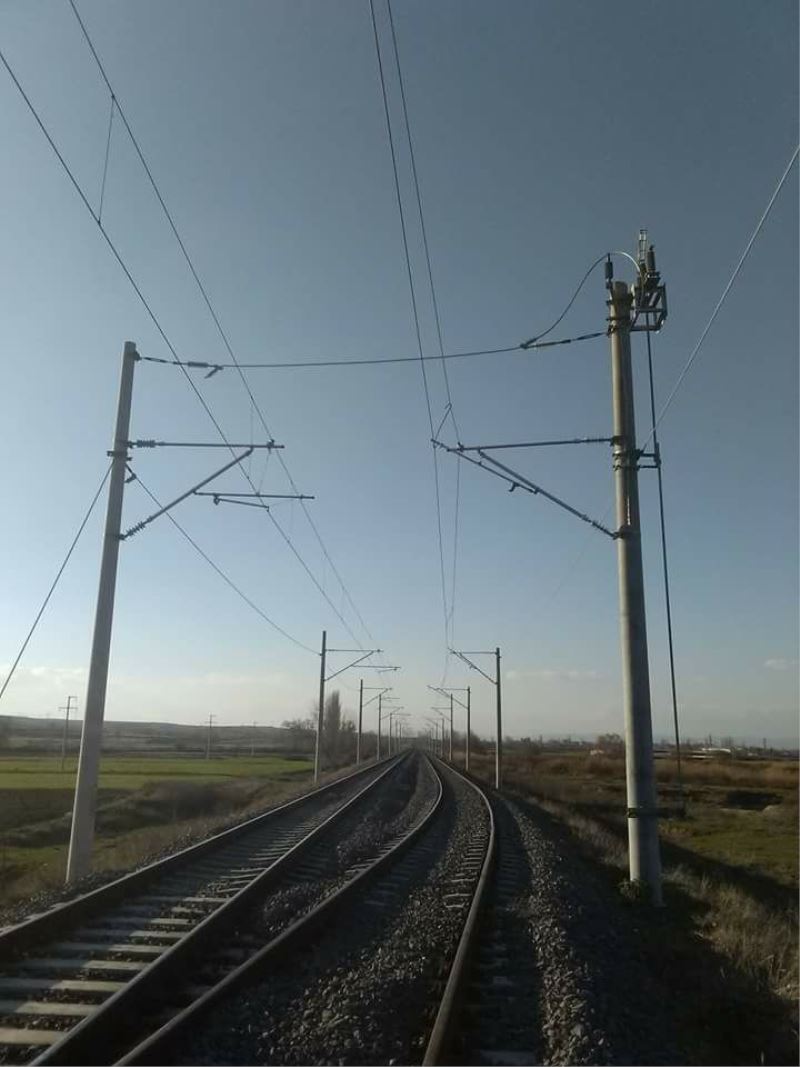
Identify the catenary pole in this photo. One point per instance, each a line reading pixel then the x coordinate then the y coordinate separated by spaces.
pixel 643 847
pixel 451 727
pixel 360 720
pixel 469 727
pixel 498 754
pixel 321 709
pixel 83 812
pixel 380 716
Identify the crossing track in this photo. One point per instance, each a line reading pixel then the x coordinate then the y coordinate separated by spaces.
pixel 297 967
pixel 75 979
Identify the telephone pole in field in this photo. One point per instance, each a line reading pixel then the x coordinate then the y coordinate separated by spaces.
pixel 65 738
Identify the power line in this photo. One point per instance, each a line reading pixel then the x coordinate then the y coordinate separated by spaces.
pixel 725 292
pixel 151 314
pixel 533 340
pixel 414 309
pixel 423 229
pixel 229 581
pixel 218 325
pixel 56 580
pixel 373 361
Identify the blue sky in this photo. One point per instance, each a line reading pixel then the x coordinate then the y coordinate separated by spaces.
pixel 545 134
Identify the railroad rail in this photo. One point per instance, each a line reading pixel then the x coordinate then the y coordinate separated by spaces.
pixel 86 977
pixel 367 883
pixel 439 1047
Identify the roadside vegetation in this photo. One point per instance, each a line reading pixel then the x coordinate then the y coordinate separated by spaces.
pixel 725 947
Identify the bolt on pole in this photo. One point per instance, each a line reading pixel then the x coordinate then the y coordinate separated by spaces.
pixel 360 719
pixel 643 847
pixel 498 755
pixel 321 710
pixel 83 812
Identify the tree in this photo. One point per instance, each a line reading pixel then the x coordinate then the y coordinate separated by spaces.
pixel 612 744
pixel 332 726
pixel 301 733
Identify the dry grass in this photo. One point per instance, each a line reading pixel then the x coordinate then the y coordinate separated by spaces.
pixel 751 774
pixel 725 949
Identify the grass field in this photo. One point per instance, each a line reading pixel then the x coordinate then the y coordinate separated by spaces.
pixel 741 813
pixel 145 805
pixel 132 772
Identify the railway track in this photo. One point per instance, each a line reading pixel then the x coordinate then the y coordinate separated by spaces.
pixel 186 961
pixel 85 980
pixel 272 1008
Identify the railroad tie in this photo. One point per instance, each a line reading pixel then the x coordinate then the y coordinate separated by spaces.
pixel 23 1036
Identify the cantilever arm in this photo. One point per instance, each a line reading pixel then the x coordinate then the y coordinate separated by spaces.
pixel 189 492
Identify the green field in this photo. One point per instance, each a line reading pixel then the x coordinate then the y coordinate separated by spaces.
pixel 132 772
pixel 145 805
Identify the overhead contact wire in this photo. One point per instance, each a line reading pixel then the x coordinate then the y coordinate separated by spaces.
pixel 414 309
pixel 217 323
pixel 226 578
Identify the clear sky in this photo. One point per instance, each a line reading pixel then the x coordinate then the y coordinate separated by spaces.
pixel 546 133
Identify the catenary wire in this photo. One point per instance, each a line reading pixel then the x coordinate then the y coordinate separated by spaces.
pixel 725 292
pixel 55 582
pixel 414 309
pixel 206 365
pixel 215 317
pixel 105 161
pixel 423 228
pixel 665 569
pixel 228 580
pixel 151 314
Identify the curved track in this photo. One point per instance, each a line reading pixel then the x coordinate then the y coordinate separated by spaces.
pixel 372 974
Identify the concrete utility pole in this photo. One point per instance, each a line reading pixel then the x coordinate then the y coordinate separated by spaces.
pixel 360 720
pixel 451 727
pixel 469 727
pixel 643 847
pixel 65 738
pixel 208 734
pixel 497 683
pixel 498 752
pixel 83 812
pixel 321 710
pixel 380 715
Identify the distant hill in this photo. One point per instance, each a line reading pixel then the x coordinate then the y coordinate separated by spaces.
pixel 22 733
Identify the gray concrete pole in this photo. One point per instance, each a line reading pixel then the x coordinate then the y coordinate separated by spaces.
pixel 498 755
pixel 643 847
pixel 469 727
pixel 79 859
pixel 380 702
pixel 360 719
pixel 451 727
pixel 321 709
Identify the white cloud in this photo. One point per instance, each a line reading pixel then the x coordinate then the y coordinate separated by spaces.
pixel 554 674
pixel 779 664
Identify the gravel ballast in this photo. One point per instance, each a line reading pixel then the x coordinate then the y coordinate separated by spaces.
pixel 364 992
pixel 576 991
